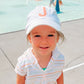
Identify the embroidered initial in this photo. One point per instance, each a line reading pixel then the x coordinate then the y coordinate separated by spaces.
pixel 44 12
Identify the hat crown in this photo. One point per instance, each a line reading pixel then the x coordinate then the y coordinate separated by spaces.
pixel 43 12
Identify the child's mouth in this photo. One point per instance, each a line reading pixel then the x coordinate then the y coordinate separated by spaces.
pixel 44 47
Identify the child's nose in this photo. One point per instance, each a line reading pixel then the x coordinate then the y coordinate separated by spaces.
pixel 44 40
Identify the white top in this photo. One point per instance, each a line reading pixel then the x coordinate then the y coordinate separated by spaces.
pixel 28 65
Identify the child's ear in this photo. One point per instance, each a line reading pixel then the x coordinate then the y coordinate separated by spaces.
pixel 29 38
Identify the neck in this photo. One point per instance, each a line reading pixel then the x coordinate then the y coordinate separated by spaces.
pixel 43 60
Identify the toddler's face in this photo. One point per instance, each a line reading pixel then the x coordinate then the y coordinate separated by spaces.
pixel 43 39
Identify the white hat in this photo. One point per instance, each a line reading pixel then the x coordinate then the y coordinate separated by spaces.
pixel 42 15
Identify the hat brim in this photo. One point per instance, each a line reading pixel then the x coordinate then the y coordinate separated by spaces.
pixel 38 22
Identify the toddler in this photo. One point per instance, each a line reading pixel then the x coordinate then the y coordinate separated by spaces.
pixel 42 63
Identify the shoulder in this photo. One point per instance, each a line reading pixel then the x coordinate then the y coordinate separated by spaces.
pixel 58 57
pixel 26 57
pixel 24 62
pixel 58 54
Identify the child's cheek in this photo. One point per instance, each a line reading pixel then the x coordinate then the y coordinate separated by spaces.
pixel 36 40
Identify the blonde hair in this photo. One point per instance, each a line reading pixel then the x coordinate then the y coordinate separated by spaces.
pixel 61 36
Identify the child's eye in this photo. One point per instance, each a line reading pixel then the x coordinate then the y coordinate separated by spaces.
pixel 51 35
pixel 37 35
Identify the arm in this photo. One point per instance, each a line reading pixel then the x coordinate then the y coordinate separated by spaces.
pixel 20 79
pixel 60 80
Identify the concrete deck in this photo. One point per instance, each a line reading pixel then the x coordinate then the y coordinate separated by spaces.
pixel 12 45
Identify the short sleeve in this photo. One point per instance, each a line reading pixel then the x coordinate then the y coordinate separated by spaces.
pixel 20 67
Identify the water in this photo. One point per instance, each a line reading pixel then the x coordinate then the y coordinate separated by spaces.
pixel 13 13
